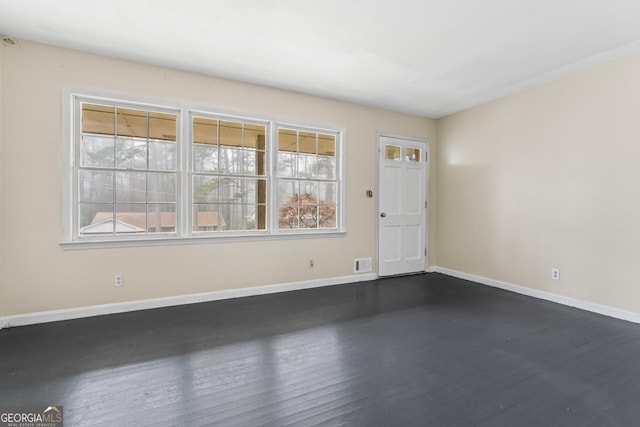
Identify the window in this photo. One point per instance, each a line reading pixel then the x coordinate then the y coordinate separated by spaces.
pixel 307 179
pixel 147 172
pixel 127 172
pixel 229 186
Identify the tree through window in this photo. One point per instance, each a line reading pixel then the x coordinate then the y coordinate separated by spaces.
pixel 307 179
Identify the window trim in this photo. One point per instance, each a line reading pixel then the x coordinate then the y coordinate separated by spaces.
pixel 71 115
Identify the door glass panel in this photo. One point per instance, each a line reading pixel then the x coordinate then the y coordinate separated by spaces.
pixel 392 152
pixel 413 155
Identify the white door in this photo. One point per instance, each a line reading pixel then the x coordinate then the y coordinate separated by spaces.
pixel 402 207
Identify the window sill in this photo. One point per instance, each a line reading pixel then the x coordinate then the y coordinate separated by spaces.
pixel 194 240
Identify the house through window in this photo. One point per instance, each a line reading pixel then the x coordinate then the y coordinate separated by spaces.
pixel 127 176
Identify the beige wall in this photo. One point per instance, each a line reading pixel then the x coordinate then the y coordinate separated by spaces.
pixel 38 275
pixel 545 178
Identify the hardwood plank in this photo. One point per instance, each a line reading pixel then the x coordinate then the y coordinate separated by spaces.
pixel 416 350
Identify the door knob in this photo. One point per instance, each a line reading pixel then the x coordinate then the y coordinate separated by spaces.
pixel 383 215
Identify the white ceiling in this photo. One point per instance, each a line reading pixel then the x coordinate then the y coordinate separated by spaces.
pixel 426 57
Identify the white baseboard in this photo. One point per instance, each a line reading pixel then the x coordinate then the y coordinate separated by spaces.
pixel 120 307
pixel 571 302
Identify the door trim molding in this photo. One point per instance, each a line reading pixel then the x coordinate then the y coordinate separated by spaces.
pixel 427 143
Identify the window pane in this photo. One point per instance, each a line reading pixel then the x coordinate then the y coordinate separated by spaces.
pixel 261 217
pixel 162 155
pixel 97 151
pixel 161 218
pixel 327 216
pixel 207 218
pixel 262 191
pixel 231 134
pixel 205 158
pixel 286 165
pixel 326 145
pixel 327 192
pixel 249 191
pixel 98 119
pixel 391 152
pixel 250 222
pixel 308 216
pixel 413 155
pixel 307 142
pixel 287 140
pixel 254 191
pixel 233 216
pixel 254 136
pixel 254 217
pixel 308 193
pixel 230 160
pixel 249 162
pixel 95 218
pixel 230 190
pixel 131 153
pixel 95 186
pixel 161 188
pixel 131 187
pixel 288 192
pixel 326 167
pixel 132 123
pixel 288 216
pixel 162 126
pixel 205 131
pixel 260 163
pixel 306 166
pixel 205 189
pixel 131 218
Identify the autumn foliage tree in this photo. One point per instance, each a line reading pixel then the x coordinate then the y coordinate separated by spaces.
pixel 303 211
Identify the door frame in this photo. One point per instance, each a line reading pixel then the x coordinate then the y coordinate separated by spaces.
pixel 427 144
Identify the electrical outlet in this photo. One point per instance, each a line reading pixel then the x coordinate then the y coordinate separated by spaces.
pixel 312 263
pixel 118 280
pixel 555 273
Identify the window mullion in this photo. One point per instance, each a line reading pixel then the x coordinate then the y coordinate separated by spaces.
pixel 185 174
pixel 273 198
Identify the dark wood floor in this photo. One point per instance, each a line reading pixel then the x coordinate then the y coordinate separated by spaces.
pixel 418 350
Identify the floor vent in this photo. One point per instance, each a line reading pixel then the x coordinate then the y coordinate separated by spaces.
pixel 362 265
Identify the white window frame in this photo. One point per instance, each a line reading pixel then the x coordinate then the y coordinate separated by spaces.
pixel 340 200
pixel 71 131
pixel 189 172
